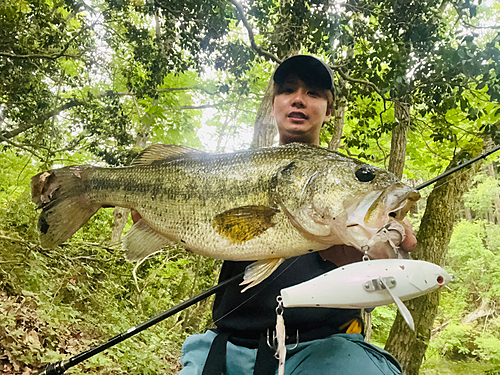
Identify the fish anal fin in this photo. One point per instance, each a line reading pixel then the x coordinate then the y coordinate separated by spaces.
pixel 244 223
pixel 142 240
pixel 160 153
pixel 259 271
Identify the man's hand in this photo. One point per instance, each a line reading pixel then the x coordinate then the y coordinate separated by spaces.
pixel 410 241
pixel 341 255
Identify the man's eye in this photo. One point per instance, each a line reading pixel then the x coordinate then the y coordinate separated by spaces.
pixel 314 94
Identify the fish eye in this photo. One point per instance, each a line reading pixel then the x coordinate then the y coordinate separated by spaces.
pixel 365 173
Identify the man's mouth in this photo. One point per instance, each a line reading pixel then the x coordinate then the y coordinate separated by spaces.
pixel 297 115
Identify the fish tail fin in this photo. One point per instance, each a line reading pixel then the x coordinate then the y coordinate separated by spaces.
pixel 60 194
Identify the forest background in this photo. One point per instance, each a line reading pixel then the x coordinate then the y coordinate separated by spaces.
pixel 96 81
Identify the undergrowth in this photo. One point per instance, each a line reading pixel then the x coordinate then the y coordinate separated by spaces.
pixel 59 302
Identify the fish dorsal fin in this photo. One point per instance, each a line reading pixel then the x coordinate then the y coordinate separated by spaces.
pixel 142 240
pixel 164 153
pixel 241 224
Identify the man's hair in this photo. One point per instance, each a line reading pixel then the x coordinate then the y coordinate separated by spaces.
pixel 327 94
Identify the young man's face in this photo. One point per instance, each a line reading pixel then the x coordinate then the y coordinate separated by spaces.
pixel 299 111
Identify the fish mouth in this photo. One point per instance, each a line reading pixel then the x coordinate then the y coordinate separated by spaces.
pixel 375 226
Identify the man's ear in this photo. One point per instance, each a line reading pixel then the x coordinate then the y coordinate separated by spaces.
pixel 272 108
pixel 328 115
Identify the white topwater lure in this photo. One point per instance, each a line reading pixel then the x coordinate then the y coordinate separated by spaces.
pixel 366 284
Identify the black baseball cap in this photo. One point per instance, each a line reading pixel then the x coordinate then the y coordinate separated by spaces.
pixel 309 69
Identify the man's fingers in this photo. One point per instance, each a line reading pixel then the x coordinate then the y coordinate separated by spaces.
pixel 410 241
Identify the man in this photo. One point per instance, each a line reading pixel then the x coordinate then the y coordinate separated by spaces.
pixel 328 341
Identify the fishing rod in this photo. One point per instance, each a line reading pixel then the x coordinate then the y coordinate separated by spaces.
pixel 61 366
pixel 457 168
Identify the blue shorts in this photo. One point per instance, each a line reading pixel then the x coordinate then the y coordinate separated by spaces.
pixel 342 354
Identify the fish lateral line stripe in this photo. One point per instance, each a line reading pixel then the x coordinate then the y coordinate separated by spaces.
pixel 202 189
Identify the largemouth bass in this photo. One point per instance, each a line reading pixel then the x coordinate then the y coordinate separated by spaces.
pixel 265 204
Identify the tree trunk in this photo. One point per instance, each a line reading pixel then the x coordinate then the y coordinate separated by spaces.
pixel 120 214
pixel 496 212
pixel 433 238
pixel 265 128
pixel 338 114
pixel 399 138
pixel 367 319
pixel 468 214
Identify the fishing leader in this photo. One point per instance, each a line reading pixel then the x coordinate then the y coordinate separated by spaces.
pixel 321 340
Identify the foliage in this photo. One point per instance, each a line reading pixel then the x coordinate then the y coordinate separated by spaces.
pixel 13 179
pixel 469 313
pixel 435 56
pixel 456 342
pixel 382 318
pixel 482 197
pixel 92 82
pixel 441 366
pixel 57 303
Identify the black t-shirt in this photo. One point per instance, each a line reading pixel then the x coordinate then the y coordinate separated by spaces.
pixel 247 315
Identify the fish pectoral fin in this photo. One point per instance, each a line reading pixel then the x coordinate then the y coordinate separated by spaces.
pixel 164 153
pixel 142 240
pixel 260 270
pixel 401 306
pixel 241 224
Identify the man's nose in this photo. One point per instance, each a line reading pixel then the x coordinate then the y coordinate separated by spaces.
pixel 298 99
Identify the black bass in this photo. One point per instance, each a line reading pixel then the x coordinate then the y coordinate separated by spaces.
pixel 266 204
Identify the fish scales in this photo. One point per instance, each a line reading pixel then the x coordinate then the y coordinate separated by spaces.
pixel 184 196
pixel 266 204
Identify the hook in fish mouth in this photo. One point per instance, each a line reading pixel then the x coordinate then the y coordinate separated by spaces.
pixel 382 244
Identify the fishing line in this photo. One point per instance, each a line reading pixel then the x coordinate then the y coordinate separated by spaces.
pixel 257 293
pixel 61 366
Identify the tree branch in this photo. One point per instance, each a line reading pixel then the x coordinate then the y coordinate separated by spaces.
pixel 183 107
pixel 6 135
pixel 272 57
pixel 170 89
pixel 251 36
pixel 61 53
pixel 38 56
pixel 361 82
pixel 2 138
pixel 12 239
